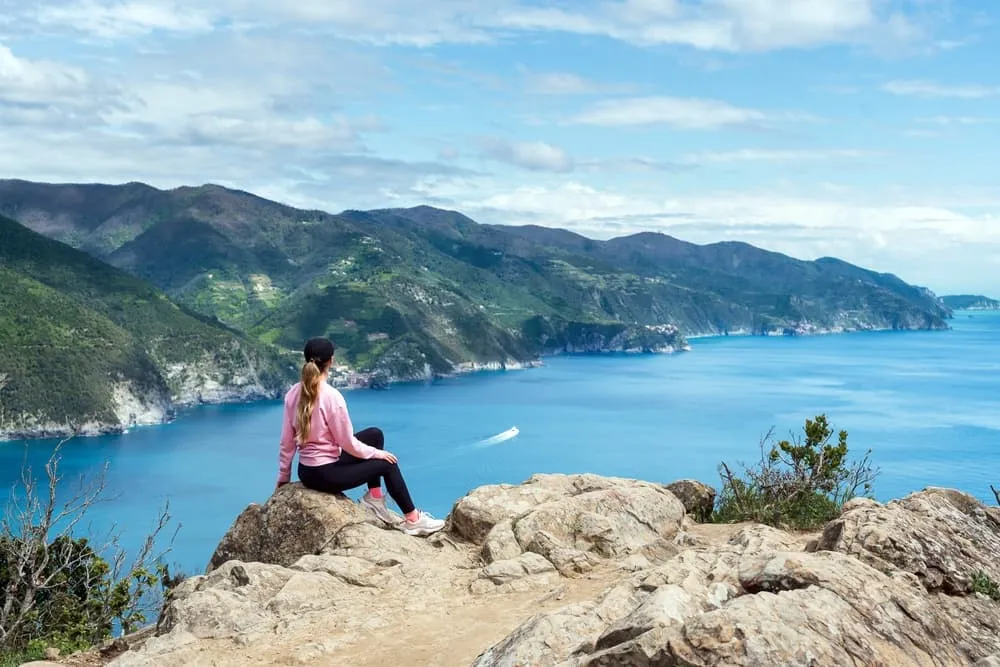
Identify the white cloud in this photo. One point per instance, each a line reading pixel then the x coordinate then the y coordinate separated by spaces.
pixel 119 19
pixel 683 113
pixel 723 25
pixel 762 155
pixel 24 81
pixel 958 120
pixel 920 88
pixel 534 156
pixel 567 83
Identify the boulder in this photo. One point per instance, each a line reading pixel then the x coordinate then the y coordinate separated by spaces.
pixel 525 572
pixel 698 498
pixel 942 536
pixel 573 521
pixel 294 522
pixel 760 599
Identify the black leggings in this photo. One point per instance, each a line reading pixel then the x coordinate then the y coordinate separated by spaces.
pixel 350 472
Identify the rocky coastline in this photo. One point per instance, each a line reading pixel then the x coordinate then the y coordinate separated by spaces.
pixel 194 386
pixel 586 571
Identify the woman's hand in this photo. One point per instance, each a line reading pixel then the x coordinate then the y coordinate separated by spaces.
pixel 279 485
pixel 388 456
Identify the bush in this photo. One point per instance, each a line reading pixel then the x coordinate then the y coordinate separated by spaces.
pixel 981 583
pixel 60 590
pixel 798 483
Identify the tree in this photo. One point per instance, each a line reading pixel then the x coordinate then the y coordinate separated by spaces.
pixel 800 482
pixel 59 589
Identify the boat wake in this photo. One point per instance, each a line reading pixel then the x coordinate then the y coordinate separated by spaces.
pixel 512 432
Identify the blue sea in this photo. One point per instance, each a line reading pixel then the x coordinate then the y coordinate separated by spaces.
pixel 926 403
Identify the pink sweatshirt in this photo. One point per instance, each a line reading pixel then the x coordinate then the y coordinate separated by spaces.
pixel 330 433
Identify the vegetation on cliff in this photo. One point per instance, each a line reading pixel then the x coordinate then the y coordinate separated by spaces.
pixel 82 342
pixel 61 590
pixel 970 302
pixel 404 291
pixel 800 483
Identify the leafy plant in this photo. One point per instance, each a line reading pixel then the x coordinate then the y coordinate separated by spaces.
pixel 982 583
pixel 58 589
pixel 799 483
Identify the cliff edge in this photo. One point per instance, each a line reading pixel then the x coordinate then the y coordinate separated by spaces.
pixel 583 570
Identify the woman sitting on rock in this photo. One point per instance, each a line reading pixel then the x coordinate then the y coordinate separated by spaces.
pixel 332 458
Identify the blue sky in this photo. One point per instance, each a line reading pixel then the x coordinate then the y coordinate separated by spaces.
pixel 864 129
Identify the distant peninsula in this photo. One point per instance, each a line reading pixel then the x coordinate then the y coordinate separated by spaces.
pixel 406 294
pixel 970 302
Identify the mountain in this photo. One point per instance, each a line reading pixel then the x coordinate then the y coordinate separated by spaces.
pixel 405 292
pixel 970 302
pixel 85 345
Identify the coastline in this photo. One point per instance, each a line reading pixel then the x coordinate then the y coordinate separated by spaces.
pixel 346 379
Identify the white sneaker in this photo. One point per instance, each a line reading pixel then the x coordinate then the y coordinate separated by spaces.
pixel 424 525
pixel 378 506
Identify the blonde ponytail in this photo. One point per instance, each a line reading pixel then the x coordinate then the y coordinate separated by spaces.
pixel 311 377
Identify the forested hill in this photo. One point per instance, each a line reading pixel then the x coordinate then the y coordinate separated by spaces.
pixel 85 345
pixel 970 302
pixel 406 291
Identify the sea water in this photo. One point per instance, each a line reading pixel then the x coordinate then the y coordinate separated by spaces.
pixel 926 403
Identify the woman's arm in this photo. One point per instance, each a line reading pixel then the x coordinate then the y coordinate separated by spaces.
pixel 286 447
pixel 343 430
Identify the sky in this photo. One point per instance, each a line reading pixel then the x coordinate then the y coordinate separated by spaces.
pixel 862 129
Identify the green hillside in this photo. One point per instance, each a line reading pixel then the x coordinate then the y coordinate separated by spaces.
pixel 84 343
pixel 970 302
pixel 406 290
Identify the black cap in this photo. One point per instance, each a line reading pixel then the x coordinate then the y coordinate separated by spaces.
pixel 319 350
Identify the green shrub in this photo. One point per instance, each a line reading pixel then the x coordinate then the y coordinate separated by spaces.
pixel 981 583
pixel 800 483
pixel 65 591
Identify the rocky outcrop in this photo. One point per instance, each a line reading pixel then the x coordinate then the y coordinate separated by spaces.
pixel 943 537
pixel 294 522
pixel 881 586
pixel 563 523
pixel 582 570
pixel 697 497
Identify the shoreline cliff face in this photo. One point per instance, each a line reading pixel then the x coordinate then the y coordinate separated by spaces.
pixel 587 571
pixel 202 383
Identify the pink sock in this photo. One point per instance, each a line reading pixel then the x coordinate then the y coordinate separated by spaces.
pixel 376 493
pixel 412 516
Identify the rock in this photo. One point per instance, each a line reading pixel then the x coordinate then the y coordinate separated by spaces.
pixel 989 661
pixel 52 653
pixel 544 639
pixel 474 516
pixel 590 571
pixel 294 522
pixel 698 498
pixel 758 599
pixel 573 521
pixel 942 536
pixel 525 572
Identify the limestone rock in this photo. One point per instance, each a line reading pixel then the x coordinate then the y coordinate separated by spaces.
pixel 942 536
pixel 698 498
pixel 591 571
pixel 759 599
pixel 294 522
pixel 573 521
pixel 475 515
pixel 525 572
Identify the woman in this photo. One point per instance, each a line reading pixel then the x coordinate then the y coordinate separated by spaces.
pixel 332 458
